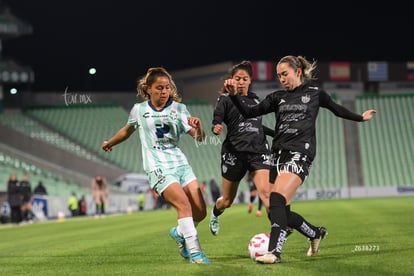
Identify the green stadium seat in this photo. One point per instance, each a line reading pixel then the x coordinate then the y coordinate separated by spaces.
pixel 386 141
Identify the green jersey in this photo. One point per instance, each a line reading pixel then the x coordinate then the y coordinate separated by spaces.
pixel 159 132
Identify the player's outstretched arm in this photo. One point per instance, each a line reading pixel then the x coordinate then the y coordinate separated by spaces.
pixel 119 137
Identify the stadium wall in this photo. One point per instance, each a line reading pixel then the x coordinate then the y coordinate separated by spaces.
pixel 58 160
pixel 51 207
pixel 353 192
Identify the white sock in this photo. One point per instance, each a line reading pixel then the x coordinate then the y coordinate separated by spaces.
pixel 189 232
pixel 179 231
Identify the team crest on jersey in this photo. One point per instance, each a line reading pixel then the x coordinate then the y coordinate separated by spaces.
pixel 173 114
pixel 160 176
pixel 305 99
pixel 161 179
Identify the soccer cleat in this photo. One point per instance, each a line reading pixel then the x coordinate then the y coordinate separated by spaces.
pixel 199 258
pixel 314 244
pixel 258 213
pixel 214 225
pixel 268 258
pixel 180 243
pixel 250 208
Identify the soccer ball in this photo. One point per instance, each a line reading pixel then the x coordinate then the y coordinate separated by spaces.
pixel 258 245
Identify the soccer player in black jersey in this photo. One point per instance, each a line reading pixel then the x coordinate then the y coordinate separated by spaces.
pixel 245 149
pixel 294 143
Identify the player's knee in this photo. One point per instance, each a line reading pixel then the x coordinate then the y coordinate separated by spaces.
pixel 277 200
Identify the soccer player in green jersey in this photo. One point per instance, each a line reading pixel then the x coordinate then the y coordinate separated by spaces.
pixel 160 120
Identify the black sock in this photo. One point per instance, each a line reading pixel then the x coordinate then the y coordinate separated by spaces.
pixel 259 206
pixel 252 199
pixel 288 214
pixel 297 222
pixel 278 223
pixel 217 212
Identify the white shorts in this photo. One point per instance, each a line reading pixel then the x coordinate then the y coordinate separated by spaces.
pixel 161 178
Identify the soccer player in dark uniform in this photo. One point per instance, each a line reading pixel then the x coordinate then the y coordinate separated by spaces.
pixel 14 197
pixel 26 191
pixel 245 149
pixel 253 192
pixel 294 143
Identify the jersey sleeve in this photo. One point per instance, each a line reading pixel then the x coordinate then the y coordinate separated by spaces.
pixel 183 115
pixel 268 131
pixel 340 111
pixel 264 107
pixel 219 111
pixel 133 115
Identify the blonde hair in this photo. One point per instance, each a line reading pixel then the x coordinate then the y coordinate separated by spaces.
pixel 149 78
pixel 297 62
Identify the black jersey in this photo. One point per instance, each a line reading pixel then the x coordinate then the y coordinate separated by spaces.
pixel 296 112
pixel 243 135
pixel 26 190
pixel 14 196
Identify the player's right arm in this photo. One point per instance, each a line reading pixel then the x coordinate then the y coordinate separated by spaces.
pixel 119 137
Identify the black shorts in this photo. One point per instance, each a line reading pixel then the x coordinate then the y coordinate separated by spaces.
pixel 235 165
pixel 289 161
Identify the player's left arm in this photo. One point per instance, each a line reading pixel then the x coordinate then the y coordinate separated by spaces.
pixel 268 131
pixel 341 111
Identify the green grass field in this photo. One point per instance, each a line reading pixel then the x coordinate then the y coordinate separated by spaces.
pixel 366 237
